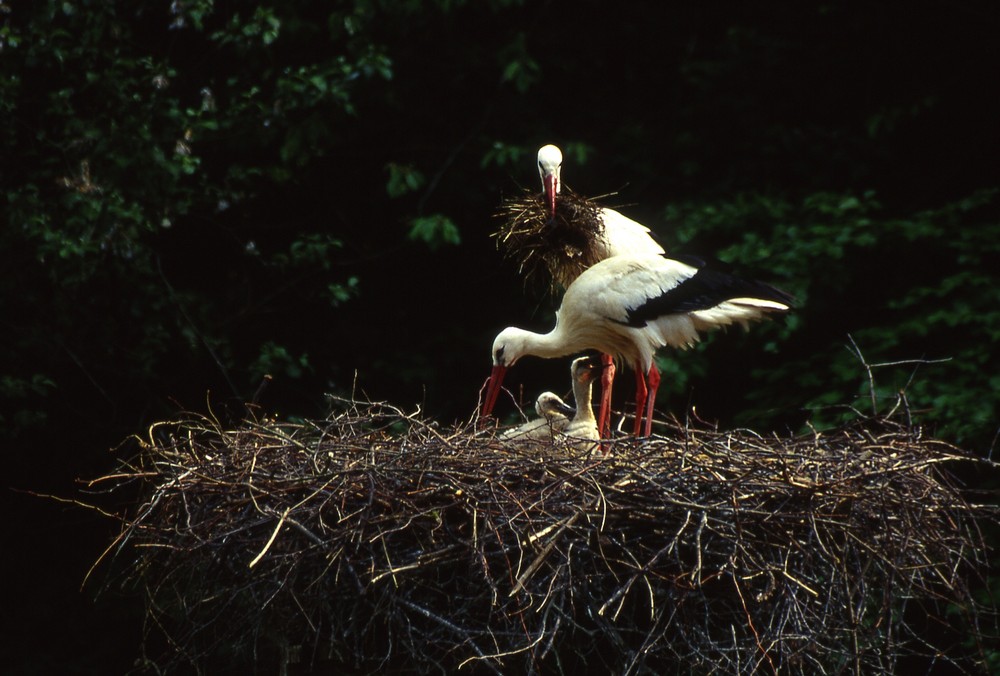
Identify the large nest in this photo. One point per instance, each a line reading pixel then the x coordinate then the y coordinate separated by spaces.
pixel 377 541
pixel 556 249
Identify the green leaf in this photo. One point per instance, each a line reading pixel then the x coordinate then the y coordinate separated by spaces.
pixel 403 179
pixel 434 230
pixel 519 67
pixel 340 293
pixel 274 359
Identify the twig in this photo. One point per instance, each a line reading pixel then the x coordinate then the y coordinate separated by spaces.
pixel 270 540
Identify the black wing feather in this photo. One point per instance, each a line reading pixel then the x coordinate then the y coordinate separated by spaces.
pixel 704 289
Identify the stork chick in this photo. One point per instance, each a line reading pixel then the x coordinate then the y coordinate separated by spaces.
pixel 581 432
pixel 553 417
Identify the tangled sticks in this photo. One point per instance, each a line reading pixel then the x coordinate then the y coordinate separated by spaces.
pixel 377 541
pixel 559 248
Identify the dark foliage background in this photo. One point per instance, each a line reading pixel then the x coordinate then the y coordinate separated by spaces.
pixel 199 193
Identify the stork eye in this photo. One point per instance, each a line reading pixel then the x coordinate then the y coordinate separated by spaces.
pixel 498 357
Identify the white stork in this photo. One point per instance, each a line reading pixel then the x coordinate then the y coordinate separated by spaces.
pixel 630 306
pixel 618 235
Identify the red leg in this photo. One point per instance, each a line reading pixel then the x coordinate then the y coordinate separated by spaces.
pixel 640 400
pixel 654 384
pixel 607 377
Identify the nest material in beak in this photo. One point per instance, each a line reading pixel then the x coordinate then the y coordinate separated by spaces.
pixel 560 247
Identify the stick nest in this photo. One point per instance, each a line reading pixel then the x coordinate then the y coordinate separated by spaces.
pixel 377 541
pixel 556 249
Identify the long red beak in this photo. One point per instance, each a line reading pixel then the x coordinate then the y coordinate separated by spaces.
pixel 551 183
pixel 493 389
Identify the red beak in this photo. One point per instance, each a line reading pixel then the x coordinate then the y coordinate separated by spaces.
pixel 493 389
pixel 551 183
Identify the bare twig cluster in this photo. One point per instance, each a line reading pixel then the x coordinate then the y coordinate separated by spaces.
pixel 377 541
pixel 556 249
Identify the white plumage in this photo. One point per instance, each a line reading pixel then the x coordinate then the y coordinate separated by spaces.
pixel 629 307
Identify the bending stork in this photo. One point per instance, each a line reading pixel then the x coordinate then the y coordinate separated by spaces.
pixel 630 306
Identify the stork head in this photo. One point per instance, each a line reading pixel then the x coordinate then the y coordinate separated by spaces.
pixel 509 346
pixel 549 163
pixel 549 405
pixel 585 369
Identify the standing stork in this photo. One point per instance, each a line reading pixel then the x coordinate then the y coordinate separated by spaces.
pixel 573 233
pixel 629 307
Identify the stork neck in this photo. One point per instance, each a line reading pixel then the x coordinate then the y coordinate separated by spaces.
pixel 552 344
pixel 547 345
pixel 581 396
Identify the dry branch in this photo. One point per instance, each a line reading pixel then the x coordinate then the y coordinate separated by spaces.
pixel 383 542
